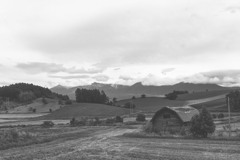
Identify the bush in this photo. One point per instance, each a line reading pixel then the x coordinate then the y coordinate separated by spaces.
pixel 73 122
pixel 68 102
pixel 110 121
pixel 148 128
pixel 34 110
pixel 44 101
pixel 214 116
pixel 220 115
pixel 47 124
pixel 50 110
pixel 143 96
pixel 119 119
pixel 141 117
pixel 202 124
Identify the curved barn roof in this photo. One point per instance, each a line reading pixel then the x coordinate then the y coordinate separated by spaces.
pixel 185 113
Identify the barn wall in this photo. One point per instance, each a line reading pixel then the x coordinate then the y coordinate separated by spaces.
pixel 164 125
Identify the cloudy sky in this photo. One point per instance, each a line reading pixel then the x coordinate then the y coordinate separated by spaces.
pixel 78 42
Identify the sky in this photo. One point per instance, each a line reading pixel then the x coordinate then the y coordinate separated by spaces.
pixel 76 42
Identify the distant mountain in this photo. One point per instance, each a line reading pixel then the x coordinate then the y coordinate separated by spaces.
pixel 124 91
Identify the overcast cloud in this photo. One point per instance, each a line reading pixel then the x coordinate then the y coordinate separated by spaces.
pixel 156 42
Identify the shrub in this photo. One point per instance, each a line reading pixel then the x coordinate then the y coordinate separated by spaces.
pixel 110 121
pixel 148 128
pixel 68 102
pixel 50 110
pixel 214 116
pixel 34 110
pixel 44 101
pixel 73 122
pixel 47 124
pixel 143 96
pixel 118 119
pixel 141 117
pixel 220 115
pixel 202 124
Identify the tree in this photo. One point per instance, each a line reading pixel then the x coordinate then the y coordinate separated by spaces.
pixel 133 97
pixel 202 124
pixel 234 100
pixel 114 100
pixel 143 96
pixel 27 96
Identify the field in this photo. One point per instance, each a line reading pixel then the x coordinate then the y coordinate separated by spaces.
pixel 86 109
pixel 151 104
pixel 107 143
pixel 201 95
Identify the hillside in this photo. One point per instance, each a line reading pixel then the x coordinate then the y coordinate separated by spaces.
pixel 125 92
pixel 25 92
pixel 78 110
pixel 201 95
pixel 151 104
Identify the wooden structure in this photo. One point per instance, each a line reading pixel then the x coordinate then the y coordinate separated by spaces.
pixel 173 119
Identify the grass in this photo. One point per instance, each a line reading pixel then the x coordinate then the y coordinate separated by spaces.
pixel 79 110
pixel 201 95
pixel 218 105
pixel 107 143
pixel 17 137
pixel 151 104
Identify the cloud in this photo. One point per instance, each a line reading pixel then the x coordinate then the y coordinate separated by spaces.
pixel 40 67
pixel 101 78
pixel 167 70
pixel 221 77
pixel 71 77
pixel 233 9
pixel 125 78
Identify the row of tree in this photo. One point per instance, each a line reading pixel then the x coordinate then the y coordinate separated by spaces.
pixel 91 96
pixel 173 95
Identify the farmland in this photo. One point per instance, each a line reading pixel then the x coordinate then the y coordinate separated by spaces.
pixel 78 110
pixel 151 104
pixel 110 143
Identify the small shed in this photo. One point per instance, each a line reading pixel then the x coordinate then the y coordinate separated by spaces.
pixel 173 119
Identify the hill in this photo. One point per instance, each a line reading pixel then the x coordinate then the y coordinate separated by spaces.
pixel 201 95
pixel 78 110
pixel 15 91
pixel 151 104
pixel 125 92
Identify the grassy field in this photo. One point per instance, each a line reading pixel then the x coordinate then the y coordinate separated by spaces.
pixel 107 143
pixel 78 110
pixel 151 104
pixel 201 95
pixel 38 105
pixel 218 105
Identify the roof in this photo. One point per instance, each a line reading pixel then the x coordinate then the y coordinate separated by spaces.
pixel 185 113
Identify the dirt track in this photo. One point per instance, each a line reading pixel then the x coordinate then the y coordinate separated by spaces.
pixel 106 143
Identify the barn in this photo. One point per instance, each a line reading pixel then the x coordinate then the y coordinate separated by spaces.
pixel 173 119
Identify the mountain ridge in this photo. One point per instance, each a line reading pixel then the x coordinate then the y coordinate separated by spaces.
pixel 124 91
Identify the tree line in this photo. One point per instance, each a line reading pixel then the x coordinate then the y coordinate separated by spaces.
pixel 173 95
pixel 26 92
pixel 91 96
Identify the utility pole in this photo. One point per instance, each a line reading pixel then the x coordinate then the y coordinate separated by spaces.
pixel 229 118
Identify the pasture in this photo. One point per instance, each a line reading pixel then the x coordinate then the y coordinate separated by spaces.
pixel 111 143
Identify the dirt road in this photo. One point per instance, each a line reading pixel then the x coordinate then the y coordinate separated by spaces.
pixel 107 143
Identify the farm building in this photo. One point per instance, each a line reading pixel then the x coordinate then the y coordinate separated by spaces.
pixel 173 119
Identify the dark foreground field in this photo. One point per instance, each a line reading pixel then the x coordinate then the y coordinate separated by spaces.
pixel 108 143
